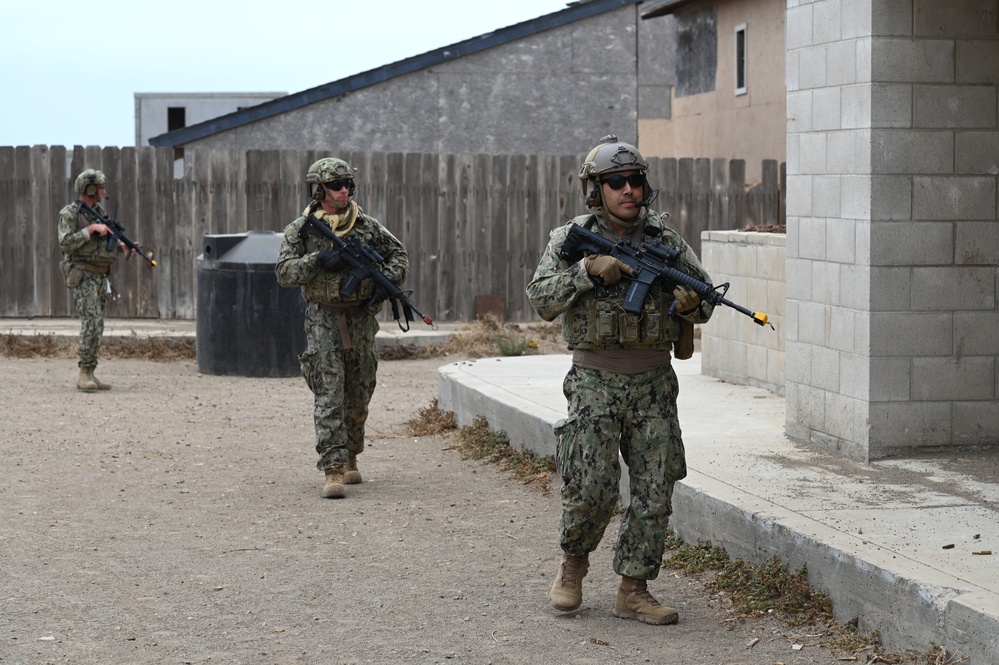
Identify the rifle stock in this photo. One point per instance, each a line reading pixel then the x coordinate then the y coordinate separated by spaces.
pixel 651 260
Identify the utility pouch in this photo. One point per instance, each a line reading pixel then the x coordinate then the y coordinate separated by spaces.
pixel 683 348
pixel 71 273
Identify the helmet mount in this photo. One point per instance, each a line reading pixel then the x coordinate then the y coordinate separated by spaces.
pixel 612 156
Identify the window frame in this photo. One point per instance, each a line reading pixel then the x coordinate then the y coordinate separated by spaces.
pixel 741 53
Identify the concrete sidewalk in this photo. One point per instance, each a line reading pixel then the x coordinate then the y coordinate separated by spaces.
pixel 900 544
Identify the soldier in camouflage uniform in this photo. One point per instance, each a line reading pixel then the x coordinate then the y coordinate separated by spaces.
pixel 86 267
pixel 340 362
pixel 621 388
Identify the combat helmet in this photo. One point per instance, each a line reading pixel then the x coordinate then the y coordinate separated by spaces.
pixel 610 156
pixel 325 170
pixel 88 182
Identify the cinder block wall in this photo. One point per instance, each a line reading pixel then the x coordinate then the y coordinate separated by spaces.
pixel 733 347
pixel 893 154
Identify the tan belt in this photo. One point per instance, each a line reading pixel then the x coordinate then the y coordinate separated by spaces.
pixel 101 269
pixel 343 311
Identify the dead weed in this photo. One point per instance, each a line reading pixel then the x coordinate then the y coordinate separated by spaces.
pixel 133 347
pixel 770 589
pixel 478 442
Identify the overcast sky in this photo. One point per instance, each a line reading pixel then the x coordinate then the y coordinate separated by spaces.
pixel 69 69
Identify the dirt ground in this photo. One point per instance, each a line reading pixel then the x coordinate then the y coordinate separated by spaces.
pixel 177 519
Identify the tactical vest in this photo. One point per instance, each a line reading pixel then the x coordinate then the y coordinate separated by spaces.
pixel 325 286
pixel 95 252
pixel 597 319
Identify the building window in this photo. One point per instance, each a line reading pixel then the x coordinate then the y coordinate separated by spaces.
pixel 176 118
pixel 741 53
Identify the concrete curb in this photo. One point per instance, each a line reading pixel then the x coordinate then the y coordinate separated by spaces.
pixel 869 535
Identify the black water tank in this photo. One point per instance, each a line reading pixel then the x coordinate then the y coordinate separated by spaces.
pixel 248 325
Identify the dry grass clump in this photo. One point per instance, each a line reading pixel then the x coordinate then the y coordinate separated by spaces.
pixel 478 442
pixel 766 228
pixel 432 421
pixel 160 349
pixel 36 346
pixel 769 589
pixel 479 339
pixel 411 352
pixel 485 338
pixel 488 337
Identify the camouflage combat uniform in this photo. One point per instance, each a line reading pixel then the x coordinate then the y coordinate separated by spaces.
pixel 341 360
pixel 610 411
pixel 86 267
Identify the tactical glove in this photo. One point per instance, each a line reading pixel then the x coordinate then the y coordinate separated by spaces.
pixel 380 295
pixel 606 268
pixel 687 300
pixel 329 259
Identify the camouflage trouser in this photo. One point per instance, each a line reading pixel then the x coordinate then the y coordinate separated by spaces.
pixel 637 415
pixel 90 297
pixel 342 380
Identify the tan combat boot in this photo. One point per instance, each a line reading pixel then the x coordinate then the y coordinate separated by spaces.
pixel 86 381
pixel 333 489
pixel 567 591
pixel 352 476
pixel 635 602
pixel 100 384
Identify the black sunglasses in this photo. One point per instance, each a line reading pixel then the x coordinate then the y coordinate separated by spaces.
pixel 616 182
pixel 337 185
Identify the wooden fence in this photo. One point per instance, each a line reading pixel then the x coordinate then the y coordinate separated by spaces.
pixel 474 225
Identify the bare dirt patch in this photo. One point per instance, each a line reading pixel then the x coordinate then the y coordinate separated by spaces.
pixel 177 519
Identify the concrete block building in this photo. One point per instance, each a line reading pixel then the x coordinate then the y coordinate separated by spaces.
pixel 893 234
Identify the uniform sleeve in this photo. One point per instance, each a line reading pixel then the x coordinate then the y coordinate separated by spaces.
pixel 294 266
pixel 391 249
pixel 71 236
pixel 688 263
pixel 557 284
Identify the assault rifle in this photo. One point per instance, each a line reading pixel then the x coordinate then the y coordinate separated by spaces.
pixel 651 260
pixel 363 261
pixel 117 232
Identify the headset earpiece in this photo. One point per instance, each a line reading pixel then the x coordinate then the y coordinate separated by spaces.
pixel 593 199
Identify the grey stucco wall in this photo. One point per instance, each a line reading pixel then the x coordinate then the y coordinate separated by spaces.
pixel 557 91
